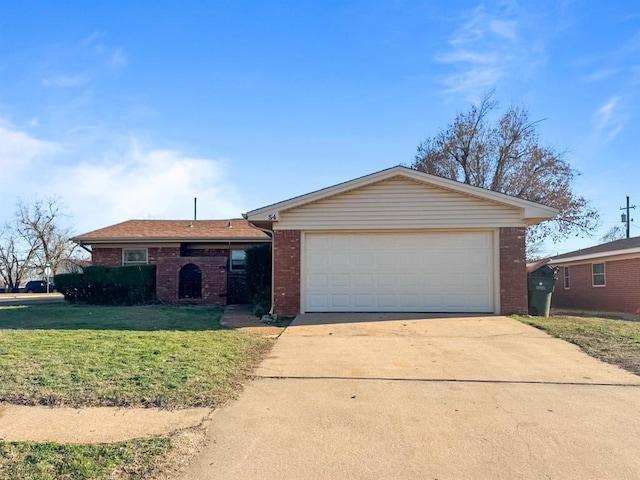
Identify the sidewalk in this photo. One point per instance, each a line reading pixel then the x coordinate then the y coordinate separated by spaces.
pixel 93 425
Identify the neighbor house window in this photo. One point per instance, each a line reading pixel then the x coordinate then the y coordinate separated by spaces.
pixel 136 256
pixel 597 270
pixel 238 259
pixel 565 271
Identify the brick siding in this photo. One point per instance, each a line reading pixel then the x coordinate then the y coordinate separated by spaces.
pixel 286 272
pixel 106 256
pixel 214 279
pixel 513 271
pixel 156 253
pixel 168 264
pixel 620 294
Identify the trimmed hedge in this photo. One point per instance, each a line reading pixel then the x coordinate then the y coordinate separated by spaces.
pixel 258 271
pixel 103 285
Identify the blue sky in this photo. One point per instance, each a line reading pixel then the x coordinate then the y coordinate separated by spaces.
pixel 131 109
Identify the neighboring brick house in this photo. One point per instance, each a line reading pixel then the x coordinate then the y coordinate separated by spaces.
pixel 400 240
pixel 198 261
pixel 603 278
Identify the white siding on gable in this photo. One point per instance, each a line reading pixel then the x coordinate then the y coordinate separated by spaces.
pixel 399 203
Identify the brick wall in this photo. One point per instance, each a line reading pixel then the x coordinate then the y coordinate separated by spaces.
pixel 286 272
pixel 513 271
pixel 214 279
pixel 113 256
pixel 156 253
pixel 620 294
pixel 106 256
pixel 169 262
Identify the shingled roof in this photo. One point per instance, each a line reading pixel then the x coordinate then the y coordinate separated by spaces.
pixel 137 231
pixel 605 249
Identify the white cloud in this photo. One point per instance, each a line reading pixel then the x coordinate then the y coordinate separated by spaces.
pixel 488 46
pixel 23 158
pixel 18 150
pixel 608 120
pixel 157 184
pixel 603 74
pixel 65 81
pixel 118 58
pixel 115 56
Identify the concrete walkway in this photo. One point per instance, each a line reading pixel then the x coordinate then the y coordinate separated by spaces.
pixel 93 425
pixel 394 396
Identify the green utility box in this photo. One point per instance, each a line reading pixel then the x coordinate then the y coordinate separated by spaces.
pixel 540 286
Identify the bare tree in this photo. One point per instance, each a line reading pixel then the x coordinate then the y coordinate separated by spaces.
pixel 37 236
pixel 506 156
pixel 617 232
pixel 42 225
pixel 15 258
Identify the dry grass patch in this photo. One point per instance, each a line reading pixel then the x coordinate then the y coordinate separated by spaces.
pixel 613 341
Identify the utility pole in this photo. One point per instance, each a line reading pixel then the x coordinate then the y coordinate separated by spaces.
pixel 626 218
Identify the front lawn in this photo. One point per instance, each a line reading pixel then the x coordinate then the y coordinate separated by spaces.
pixel 79 355
pixel 136 459
pixel 612 341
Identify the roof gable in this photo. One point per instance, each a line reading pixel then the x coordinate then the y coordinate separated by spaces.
pixel 530 212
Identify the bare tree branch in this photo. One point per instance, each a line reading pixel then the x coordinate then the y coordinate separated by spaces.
pixel 507 156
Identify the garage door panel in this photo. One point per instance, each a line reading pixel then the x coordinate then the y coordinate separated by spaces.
pixel 438 272
pixel 340 280
pixel 342 259
pixel 363 281
pixel 319 280
pixel 340 300
pixel 363 301
pixel 318 302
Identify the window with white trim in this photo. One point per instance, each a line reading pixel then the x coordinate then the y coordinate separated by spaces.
pixel 598 275
pixel 565 277
pixel 237 260
pixel 137 256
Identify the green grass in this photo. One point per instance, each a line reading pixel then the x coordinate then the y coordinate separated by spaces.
pixel 613 341
pixel 135 459
pixel 157 356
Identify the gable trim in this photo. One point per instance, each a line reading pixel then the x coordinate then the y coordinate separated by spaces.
pixel 531 211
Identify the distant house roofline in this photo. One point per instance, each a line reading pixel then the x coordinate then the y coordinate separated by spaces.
pixel 625 246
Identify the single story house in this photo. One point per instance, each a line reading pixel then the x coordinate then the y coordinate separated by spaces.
pixel 196 261
pixel 400 240
pixel 397 240
pixel 602 278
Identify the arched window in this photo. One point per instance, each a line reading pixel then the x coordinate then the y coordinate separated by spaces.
pixel 190 284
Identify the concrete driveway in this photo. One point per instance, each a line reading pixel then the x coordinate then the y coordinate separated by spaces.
pixel 370 396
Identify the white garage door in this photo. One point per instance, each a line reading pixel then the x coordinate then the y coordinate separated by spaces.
pixel 391 272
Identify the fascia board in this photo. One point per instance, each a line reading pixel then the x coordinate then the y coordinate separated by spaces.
pixel 97 241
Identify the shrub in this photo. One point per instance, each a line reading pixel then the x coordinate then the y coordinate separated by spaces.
pixel 104 285
pixel 71 285
pixel 258 271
